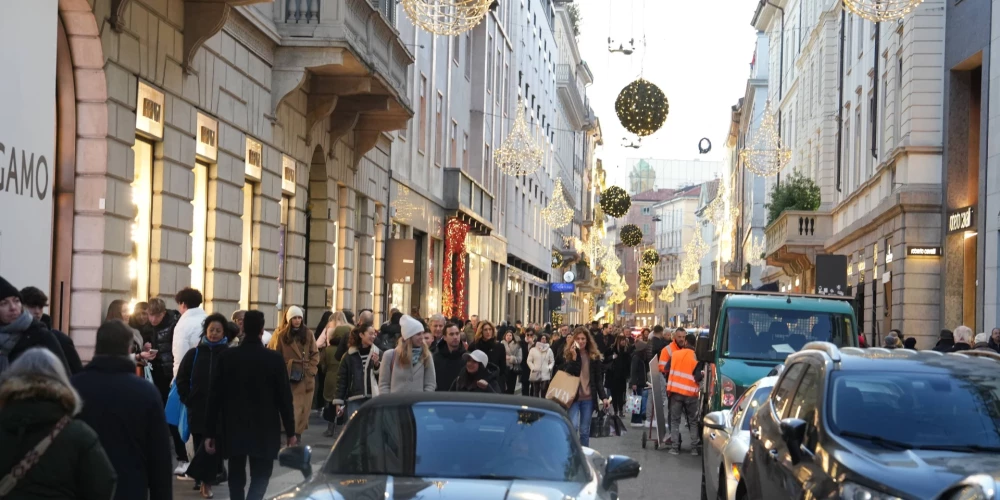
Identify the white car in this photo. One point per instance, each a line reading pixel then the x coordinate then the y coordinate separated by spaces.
pixel 725 438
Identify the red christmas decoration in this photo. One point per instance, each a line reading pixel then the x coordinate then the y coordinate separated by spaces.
pixel 453 295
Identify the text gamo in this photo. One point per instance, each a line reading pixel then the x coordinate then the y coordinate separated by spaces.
pixel 31 179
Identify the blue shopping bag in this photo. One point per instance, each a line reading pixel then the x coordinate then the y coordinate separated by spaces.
pixel 176 413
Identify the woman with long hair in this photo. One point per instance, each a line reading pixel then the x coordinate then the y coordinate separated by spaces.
pixel 194 377
pixel 512 351
pixel 584 361
pixel 357 381
pixel 335 333
pixel 409 367
pixel 486 341
pixel 297 345
pixel 621 369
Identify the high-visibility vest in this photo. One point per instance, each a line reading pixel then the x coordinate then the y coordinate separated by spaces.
pixel 665 354
pixel 681 379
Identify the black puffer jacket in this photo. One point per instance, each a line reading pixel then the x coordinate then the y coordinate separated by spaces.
pixel 163 337
pixel 494 351
pixel 468 382
pixel 447 366
pixel 388 337
pixel 354 381
pixel 194 378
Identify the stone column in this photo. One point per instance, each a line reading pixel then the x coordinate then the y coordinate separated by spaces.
pixel 345 277
pixel 224 227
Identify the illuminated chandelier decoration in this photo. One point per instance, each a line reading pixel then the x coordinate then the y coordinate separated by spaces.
pixel 404 209
pixel 595 251
pixel 519 155
pixel 880 11
pixel 642 107
pixel 600 230
pixel 765 156
pixel 667 294
pixel 453 272
pixel 558 213
pixel 446 17
pixel 691 265
pixel 755 254
pixel 615 202
pixel 650 257
pixel 631 235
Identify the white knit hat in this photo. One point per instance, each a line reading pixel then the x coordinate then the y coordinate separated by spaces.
pixel 410 327
pixel 294 311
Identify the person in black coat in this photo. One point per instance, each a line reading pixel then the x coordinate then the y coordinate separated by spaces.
pixel 479 375
pixel 194 379
pixel 389 333
pixel 250 380
pixel 619 371
pixel 127 414
pixel 526 344
pixel 946 341
pixel 486 341
pixel 20 331
pixel 448 362
pixel 35 301
pixel 162 320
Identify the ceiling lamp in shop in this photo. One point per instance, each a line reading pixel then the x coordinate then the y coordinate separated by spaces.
pixel 446 17
pixel 765 156
pixel 558 213
pixel 642 107
pixel 615 202
pixel 878 11
pixel 519 155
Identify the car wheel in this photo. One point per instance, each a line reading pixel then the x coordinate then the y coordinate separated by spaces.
pixel 723 494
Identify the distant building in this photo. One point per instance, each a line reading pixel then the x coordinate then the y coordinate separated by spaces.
pixel 647 174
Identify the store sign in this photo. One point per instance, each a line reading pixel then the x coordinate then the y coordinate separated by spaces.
pixel 961 219
pixel 27 140
pixel 288 175
pixel 208 138
pixel 563 287
pixel 254 159
pixel 400 261
pixel 924 251
pixel 149 114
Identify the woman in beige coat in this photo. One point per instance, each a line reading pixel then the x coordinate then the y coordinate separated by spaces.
pixel 297 344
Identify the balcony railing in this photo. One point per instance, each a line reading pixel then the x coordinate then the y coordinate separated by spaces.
pixel 572 93
pixel 795 237
pixel 470 201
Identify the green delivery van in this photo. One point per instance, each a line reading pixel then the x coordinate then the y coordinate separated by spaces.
pixel 752 332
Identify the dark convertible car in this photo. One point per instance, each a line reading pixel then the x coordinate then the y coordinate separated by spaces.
pixel 459 446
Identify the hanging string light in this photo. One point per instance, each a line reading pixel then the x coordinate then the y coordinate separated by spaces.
pixel 755 254
pixel 519 155
pixel 404 209
pixel 558 213
pixel 765 156
pixel 650 257
pixel 880 11
pixel 642 107
pixel 631 235
pixel 446 17
pixel 595 251
pixel 615 202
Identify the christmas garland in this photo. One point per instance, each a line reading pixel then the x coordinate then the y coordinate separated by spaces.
pixel 453 300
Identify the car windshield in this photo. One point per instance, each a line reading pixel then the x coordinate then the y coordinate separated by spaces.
pixel 918 409
pixel 773 334
pixel 456 440
pixel 758 399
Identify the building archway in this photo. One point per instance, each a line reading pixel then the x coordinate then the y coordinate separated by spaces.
pixel 322 239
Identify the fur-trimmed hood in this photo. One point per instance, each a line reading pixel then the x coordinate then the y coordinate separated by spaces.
pixel 27 388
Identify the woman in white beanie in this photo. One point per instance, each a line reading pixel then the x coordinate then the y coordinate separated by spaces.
pixel 409 367
pixel 297 344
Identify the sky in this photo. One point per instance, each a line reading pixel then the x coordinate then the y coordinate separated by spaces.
pixel 697 51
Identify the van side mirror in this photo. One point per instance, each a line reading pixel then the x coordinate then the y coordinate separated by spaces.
pixel 704 349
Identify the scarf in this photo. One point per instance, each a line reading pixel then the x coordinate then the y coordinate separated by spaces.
pixel 417 351
pixel 223 341
pixel 10 335
pixel 296 334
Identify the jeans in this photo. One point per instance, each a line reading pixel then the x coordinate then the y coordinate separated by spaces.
pixel 351 408
pixel 260 475
pixel 688 407
pixel 580 414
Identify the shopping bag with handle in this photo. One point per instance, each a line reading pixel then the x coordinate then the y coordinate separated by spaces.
pixel 563 389
pixel 634 404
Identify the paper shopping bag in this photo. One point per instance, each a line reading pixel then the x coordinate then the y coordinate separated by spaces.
pixel 563 389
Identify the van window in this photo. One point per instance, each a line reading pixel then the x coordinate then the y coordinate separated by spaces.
pixel 773 334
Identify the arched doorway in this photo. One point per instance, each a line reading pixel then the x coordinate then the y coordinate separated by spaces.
pixel 323 238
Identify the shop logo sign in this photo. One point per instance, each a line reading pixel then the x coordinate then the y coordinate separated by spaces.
pixel 149 118
pixel 961 219
pixel 208 138
pixel 254 159
pixel 288 175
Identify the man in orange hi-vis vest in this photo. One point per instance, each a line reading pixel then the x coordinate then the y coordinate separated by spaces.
pixel 683 379
pixel 671 348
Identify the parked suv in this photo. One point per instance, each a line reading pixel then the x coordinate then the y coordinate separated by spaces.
pixel 874 423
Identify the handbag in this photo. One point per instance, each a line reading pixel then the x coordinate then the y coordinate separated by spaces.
pixel 207 467
pixel 563 389
pixel 634 404
pixel 600 425
pixel 8 482
pixel 329 412
pixel 296 374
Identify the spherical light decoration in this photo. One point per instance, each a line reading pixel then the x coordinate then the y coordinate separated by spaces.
pixel 519 155
pixel 447 17
pixel 766 156
pixel 879 11
pixel 631 235
pixel 615 202
pixel 558 213
pixel 557 260
pixel 642 108
pixel 650 257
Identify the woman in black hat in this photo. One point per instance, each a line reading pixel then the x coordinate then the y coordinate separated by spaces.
pixel 478 376
pixel 19 331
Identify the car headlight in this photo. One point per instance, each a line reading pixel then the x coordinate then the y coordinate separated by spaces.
pixel 736 473
pixel 854 491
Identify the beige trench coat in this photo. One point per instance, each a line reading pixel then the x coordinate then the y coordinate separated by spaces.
pixel 302 392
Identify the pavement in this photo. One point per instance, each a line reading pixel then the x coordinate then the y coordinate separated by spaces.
pixel 663 475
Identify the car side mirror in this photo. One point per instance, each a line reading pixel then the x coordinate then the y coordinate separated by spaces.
pixel 703 349
pixel 716 420
pixel 620 467
pixel 777 370
pixel 298 458
pixel 793 433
